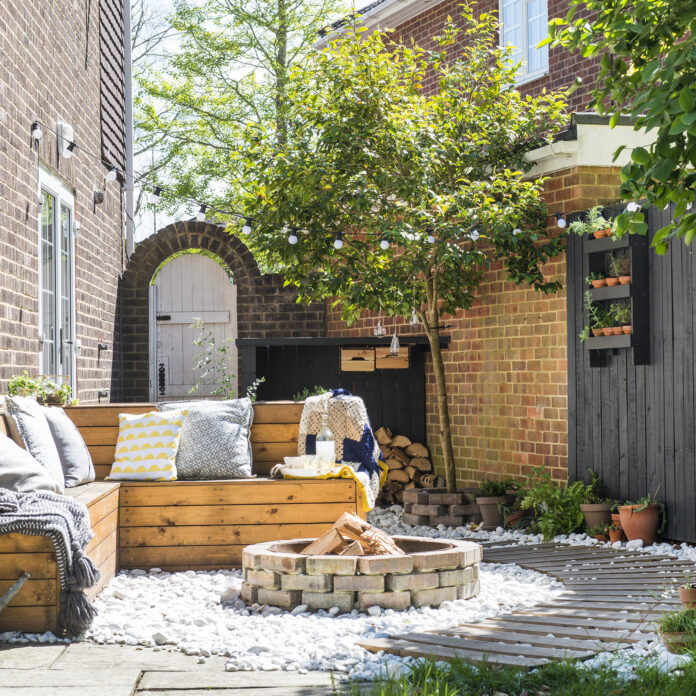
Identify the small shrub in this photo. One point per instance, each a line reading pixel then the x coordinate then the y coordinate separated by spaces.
pixel 302 395
pixel 496 489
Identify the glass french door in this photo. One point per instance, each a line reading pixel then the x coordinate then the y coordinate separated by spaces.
pixel 56 302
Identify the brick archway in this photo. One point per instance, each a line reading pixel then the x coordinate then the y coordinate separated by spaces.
pixel 265 308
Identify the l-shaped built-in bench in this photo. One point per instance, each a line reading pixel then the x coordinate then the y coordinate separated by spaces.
pixel 178 525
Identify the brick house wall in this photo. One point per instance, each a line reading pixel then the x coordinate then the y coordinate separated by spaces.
pixel 50 70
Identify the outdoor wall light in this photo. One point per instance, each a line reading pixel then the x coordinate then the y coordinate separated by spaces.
pixel 98 197
pixel 561 221
pixel 155 195
pixel 36 131
pixel 68 152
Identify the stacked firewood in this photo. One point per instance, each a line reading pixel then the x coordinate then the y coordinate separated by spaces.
pixel 409 466
pixel 352 536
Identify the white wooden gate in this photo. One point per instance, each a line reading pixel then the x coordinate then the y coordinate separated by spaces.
pixel 190 286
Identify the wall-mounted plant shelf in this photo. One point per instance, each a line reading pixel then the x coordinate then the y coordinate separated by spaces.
pixel 637 292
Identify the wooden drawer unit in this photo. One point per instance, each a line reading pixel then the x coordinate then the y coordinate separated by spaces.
pixel 357 359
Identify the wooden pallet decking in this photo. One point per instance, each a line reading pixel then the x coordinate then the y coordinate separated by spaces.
pixel 611 600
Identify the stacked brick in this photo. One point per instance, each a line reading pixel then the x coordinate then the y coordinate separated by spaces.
pixel 434 506
pixel 445 572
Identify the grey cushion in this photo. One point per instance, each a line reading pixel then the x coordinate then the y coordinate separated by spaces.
pixel 72 450
pixel 215 439
pixel 20 472
pixel 29 428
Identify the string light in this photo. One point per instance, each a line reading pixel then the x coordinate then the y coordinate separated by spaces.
pixel 414 321
pixel 200 215
pixel 338 242
pixel 632 207
pixel 474 235
pixel 292 238
pixel 68 152
pixel 431 237
pixel 247 226
pixel 113 173
pixel 155 195
pixel 36 131
pixel 561 221
pixel 384 244
pixel 516 231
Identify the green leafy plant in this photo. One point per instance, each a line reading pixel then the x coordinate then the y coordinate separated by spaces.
pixel 302 395
pixel 591 223
pixel 682 621
pixel 254 387
pixel 594 276
pixel 24 385
pixel 491 488
pixel 621 313
pixel 556 507
pixel 650 499
pixel 597 316
pixel 213 361
pixel 45 390
pixel 619 265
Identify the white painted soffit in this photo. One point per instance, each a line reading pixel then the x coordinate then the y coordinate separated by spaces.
pixel 388 14
pixel 594 147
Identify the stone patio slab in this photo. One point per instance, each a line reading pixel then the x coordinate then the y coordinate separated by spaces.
pixel 73 679
pixel 29 656
pixel 234 680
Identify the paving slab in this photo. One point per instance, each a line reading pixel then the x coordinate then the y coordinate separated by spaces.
pixel 280 691
pixel 34 678
pixel 93 690
pixel 180 681
pixel 92 656
pixel 29 656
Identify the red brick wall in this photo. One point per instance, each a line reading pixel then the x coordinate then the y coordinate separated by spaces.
pixel 564 66
pixel 506 364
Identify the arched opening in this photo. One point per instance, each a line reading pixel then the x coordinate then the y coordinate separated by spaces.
pixel 193 327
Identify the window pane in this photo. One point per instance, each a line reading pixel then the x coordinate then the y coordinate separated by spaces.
pixel 537 30
pixel 48 289
pixel 512 26
pixel 65 291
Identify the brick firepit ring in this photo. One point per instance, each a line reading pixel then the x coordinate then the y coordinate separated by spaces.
pixel 430 572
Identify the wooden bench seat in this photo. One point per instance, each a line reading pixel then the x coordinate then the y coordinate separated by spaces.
pixel 178 525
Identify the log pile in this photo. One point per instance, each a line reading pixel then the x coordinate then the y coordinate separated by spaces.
pixel 352 536
pixel 409 466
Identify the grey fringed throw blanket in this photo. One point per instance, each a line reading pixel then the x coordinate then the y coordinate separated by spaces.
pixel 66 523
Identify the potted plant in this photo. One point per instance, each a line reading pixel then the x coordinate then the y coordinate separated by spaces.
pixel 639 520
pixel 677 630
pixel 596 280
pixel 24 385
pixel 45 390
pixel 595 510
pixel 622 316
pixel 594 224
pixel 492 498
pixel 615 533
pixel 620 267
pixel 597 318
pixel 599 532
pixel 687 593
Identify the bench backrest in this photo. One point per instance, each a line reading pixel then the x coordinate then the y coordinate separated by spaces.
pixel 273 435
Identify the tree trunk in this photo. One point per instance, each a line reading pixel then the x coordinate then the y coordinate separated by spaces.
pixel 281 74
pixel 433 333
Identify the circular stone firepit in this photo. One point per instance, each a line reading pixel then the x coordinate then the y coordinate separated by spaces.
pixel 430 572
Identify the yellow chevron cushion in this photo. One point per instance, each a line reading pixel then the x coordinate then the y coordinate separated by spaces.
pixel 146 446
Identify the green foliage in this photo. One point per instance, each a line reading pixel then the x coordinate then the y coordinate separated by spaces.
pixel 682 621
pixel 213 361
pixel 594 276
pixel 45 390
pixel 560 678
pixel 598 316
pixel 199 252
pixel 254 387
pixel 621 313
pixel 302 395
pixel 229 69
pixel 557 507
pixel 490 488
pixel 650 499
pixel 619 265
pixel 648 63
pixel 592 222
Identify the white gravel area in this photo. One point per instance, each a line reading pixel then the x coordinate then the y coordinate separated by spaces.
pixel 200 613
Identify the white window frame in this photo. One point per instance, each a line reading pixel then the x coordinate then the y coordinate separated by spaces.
pixel 63 196
pixel 524 75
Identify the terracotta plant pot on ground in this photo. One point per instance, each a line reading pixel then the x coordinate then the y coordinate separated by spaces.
pixel 492 511
pixel 639 525
pixel 599 283
pixel 624 280
pixel 596 513
pixel 677 643
pixel 615 535
pixel 612 281
pixel 687 596
pixel 627 329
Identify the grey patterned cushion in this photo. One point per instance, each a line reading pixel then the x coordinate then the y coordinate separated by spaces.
pixel 215 439
pixel 29 428
pixel 72 450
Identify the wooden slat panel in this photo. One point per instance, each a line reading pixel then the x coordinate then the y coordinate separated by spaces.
pixel 100 435
pixel 278 412
pixel 108 570
pixel 229 514
pixel 246 491
pixel 26 543
pixel 190 557
pixel 103 508
pixel 102 455
pixel 273 451
pixel 102 530
pixel 217 535
pixel 106 415
pixel 29 619
pixel 106 548
pixel 276 432
pixel 39 565
pixel 33 593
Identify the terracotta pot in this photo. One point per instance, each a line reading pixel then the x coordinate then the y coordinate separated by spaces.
pixel 615 535
pixel 600 537
pixel 606 232
pixel 687 596
pixel 599 283
pixel 612 281
pixel 596 332
pixel 515 516
pixel 677 643
pixel 616 519
pixel 606 331
pixel 627 329
pixel 596 513
pixel 492 511
pixel 639 525
pixel 616 330
pixel 624 280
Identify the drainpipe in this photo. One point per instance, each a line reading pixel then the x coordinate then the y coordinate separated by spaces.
pixel 128 95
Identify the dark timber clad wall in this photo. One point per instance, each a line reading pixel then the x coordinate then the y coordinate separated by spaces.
pixel 635 425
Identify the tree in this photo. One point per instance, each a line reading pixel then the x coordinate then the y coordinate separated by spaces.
pixel 648 67
pixel 420 193
pixel 230 69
